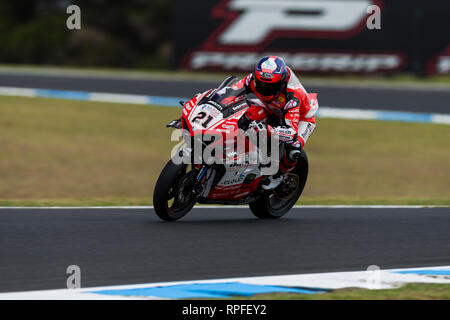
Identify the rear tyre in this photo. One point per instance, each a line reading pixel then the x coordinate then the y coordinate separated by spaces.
pixel 169 200
pixel 273 206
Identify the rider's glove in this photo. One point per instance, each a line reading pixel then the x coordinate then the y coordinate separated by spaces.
pixel 257 126
pixel 286 134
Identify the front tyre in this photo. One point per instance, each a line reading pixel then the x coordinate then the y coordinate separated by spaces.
pixel 276 204
pixel 171 198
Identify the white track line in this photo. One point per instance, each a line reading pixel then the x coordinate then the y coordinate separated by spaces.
pixel 241 207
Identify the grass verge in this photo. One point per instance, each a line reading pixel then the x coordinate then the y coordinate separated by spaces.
pixel 413 291
pixel 61 152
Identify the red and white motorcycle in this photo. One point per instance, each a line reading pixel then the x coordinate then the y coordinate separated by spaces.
pixel 188 179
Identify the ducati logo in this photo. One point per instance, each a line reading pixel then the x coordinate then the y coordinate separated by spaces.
pixel 263 17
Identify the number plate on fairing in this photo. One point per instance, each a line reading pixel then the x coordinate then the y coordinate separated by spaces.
pixel 204 117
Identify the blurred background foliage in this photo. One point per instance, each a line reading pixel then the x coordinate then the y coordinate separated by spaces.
pixel 132 33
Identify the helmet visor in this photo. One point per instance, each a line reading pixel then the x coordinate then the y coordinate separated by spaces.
pixel 267 89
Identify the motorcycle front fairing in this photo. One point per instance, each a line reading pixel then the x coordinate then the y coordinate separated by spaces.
pixel 217 113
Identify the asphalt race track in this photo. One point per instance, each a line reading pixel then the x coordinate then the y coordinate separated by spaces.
pixel 377 98
pixel 129 246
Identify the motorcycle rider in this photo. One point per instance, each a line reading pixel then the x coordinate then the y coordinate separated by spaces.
pixel 283 97
pixel 283 108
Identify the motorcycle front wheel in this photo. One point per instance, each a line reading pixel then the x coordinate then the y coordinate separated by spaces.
pixel 171 198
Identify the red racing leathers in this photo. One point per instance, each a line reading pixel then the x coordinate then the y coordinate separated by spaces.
pixel 293 107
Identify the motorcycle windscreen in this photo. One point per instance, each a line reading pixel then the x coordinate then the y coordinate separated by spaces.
pixel 228 97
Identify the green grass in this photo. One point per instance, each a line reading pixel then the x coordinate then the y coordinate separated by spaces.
pixel 61 152
pixel 414 291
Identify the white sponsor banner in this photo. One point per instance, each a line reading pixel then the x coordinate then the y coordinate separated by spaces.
pixel 321 62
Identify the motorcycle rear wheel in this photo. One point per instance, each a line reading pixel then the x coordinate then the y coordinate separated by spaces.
pixel 168 191
pixel 272 207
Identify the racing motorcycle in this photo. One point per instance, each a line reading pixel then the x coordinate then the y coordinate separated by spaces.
pixel 182 184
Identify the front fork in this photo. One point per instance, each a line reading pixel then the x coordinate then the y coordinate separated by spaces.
pixel 203 174
pixel 204 180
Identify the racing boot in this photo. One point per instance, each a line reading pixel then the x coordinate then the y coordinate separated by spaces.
pixel 289 160
pixel 287 164
pixel 294 155
pixel 290 181
pixel 273 181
